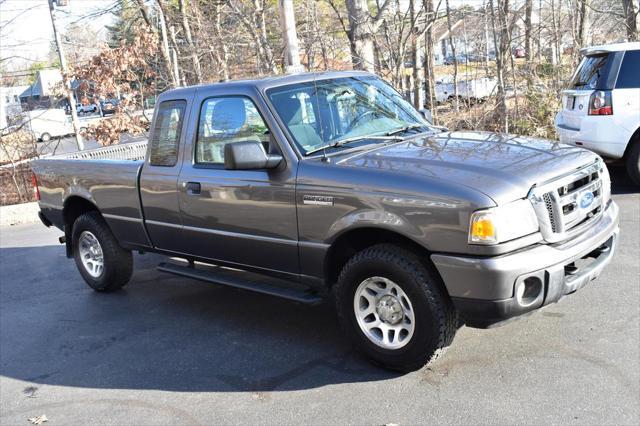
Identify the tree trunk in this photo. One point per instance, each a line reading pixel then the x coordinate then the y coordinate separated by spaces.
pixel 270 64
pixel 528 8
pixel 361 38
pixel 164 51
pixel 501 45
pixel 429 65
pixel 222 52
pixel 362 27
pixel 187 35
pixel 630 17
pixel 456 100
pixel 291 55
pixel 418 102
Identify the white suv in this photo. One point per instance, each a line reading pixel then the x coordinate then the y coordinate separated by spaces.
pixel 601 107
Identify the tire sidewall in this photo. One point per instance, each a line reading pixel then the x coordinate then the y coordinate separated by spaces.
pixel 427 324
pixel 82 224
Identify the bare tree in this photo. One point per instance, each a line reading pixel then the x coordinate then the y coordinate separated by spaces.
pixel 455 59
pixel 187 33
pixel 362 27
pixel 164 51
pixel 630 17
pixel 501 38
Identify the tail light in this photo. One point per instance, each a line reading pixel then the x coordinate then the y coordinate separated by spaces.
pixel 34 183
pixel 600 103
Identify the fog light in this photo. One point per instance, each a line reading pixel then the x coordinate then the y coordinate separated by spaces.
pixel 528 291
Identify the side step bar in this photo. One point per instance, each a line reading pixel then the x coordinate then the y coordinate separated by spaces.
pixel 231 281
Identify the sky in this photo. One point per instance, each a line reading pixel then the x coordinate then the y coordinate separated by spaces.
pixel 26 32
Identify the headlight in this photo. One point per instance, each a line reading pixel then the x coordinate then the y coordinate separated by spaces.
pixel 606 184
pixel 503 223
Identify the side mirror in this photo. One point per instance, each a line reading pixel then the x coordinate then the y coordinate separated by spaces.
pixel 249 155
pixel 427 115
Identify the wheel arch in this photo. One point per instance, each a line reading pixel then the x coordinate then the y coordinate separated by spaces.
pixel 73 207
pixel 353 240
pixel 635 138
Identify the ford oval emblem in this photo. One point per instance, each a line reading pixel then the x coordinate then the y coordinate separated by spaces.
pixel 586 200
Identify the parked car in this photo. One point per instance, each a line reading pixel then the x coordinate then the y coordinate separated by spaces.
pixel 331 185
pixel 108 106
pixel 449 60
pixel 46 124
pixel 519 52
pixel 601 107
pixel 86 109
pixel 476 89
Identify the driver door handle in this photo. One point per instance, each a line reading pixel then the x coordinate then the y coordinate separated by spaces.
pixel 192 188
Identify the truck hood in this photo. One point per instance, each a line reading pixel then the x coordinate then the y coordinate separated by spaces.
pixel 504 167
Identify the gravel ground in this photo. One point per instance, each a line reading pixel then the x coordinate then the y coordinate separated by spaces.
pixel 173 351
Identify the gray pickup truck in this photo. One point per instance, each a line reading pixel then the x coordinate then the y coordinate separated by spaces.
pixel 316 185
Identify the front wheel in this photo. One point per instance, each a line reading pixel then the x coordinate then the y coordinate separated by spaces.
pixel 104 265
pixel 394 309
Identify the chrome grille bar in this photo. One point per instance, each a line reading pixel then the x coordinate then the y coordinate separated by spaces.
pixel 565 204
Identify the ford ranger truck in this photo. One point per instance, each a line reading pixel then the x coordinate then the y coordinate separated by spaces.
pixel 331 185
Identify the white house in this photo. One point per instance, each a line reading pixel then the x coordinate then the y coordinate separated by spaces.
pixel 10 106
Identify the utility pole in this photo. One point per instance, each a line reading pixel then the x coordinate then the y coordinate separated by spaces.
pixel 67 84
pixel 288 19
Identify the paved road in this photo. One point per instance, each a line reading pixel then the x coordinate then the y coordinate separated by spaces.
pixel 169 350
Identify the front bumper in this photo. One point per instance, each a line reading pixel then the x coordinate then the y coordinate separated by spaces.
pixel 488 291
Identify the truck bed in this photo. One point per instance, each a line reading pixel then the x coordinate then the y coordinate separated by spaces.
pixel 106 177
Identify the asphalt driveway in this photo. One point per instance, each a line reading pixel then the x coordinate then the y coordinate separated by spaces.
pixel 169 350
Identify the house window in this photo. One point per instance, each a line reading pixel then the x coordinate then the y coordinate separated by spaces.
pixel 15 98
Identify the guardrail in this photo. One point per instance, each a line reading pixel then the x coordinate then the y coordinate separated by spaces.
pixel 127 151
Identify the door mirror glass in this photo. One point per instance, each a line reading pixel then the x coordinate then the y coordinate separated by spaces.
pixel 249 155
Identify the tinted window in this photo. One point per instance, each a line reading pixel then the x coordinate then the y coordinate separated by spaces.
pixel 227 120
pixel 629 75
pixel 166 133
pixel 591 72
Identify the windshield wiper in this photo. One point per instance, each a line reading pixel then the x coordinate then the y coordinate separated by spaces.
pixel 345 141
pixel 404 129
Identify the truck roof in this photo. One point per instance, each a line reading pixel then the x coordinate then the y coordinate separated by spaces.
pixel 273 81
pixel 613 47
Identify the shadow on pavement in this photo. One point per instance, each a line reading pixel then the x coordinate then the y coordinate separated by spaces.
pixel 162 332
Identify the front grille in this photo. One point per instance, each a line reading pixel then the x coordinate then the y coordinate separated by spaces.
pixel 549 205
pixel 565 205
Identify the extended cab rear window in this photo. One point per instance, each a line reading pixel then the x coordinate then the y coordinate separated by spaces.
pixel 629 75
pixel 166 134
pixel 592 73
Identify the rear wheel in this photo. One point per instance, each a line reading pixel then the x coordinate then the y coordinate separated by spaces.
pixel 393 308
pixel 104 265
pixel 633 161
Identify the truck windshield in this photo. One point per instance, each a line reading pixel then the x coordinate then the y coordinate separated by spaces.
pixel 333 112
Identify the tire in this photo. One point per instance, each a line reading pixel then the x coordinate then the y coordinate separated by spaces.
pixel 633 162
pixel 421 296
pixel 117 263
pixel 45 137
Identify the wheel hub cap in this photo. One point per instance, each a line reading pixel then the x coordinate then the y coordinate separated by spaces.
pixel 384 312
pixel 91 254
pixel 389 309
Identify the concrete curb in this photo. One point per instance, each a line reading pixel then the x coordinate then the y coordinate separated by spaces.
pixel 19 213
